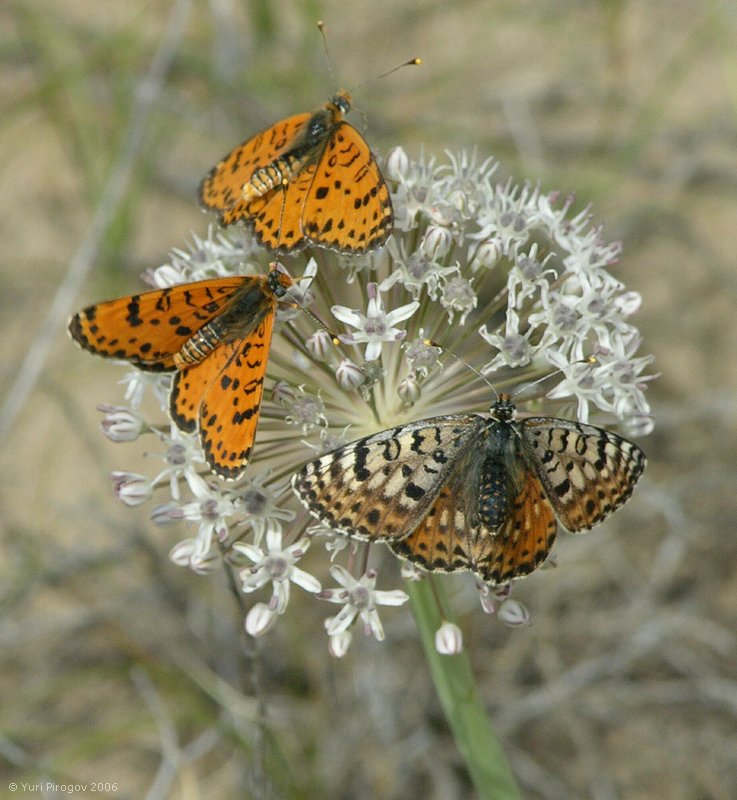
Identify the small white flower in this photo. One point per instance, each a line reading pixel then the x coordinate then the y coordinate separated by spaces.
pixel 376 326
pixel 349 375
pixel 339 643
pixel 307 411
pixel 212 509
pixel 360 598
pixel 183 455
pixel 513 613
pixel 186 554
pixel 458 296
pixel 319 345
pixel 276 564
pixel 261 503
pixel 260 619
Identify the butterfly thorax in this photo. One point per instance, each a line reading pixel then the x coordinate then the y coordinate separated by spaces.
pixel 245 311
pixel 305 149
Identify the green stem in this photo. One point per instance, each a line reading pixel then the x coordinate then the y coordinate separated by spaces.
pixel 463 705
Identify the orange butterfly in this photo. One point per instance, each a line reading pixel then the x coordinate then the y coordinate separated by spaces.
pixel 309 179
pixel 215 335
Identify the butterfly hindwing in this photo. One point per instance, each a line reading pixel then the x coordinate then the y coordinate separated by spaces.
pixel 381 487
pixel 276 218
pixel 587 472
pixel 457 534
pixel 148 329
pixel 229 412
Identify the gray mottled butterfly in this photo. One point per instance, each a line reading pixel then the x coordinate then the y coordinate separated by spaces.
pixel 469 492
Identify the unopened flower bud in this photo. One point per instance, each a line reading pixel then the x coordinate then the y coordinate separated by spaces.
pixel 349 375
pixel 448 639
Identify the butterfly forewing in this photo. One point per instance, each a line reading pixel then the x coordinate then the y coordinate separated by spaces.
pixel 150 328
pixel 382 486
pixel 348 207
pixel 587 472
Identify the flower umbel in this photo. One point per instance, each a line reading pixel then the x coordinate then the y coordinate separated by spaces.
pixel 502 275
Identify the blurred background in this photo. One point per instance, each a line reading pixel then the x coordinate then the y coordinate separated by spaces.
pixel 117 666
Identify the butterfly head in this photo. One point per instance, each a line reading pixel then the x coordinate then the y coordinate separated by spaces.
pixel 278 282
pixel 340 102
pixel 503 409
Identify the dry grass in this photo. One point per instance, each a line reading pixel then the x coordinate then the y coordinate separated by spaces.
pixel 119 667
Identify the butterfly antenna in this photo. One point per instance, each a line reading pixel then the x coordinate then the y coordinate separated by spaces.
pixel 413 62
pixel 324 34
pixel 431 343
pixel 313 316
pixel 526 386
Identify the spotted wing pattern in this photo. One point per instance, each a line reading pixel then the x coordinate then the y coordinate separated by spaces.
pixel 348 207
pixel 319 184
pixel 222 189
pixel 449 539
pixel 587 472
pixel 221 396
pixel 470 493
pixel 382 486
pixel 148 329
pixel 215 336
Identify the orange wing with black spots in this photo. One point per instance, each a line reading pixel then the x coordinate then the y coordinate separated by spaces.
pixel 222 189
pixel 218 350
pixel 348 207
pixel 310 179
pixel 452 537
pixel 222 396
pixel 150 328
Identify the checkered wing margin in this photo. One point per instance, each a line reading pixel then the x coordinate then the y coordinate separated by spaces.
pixel 381 487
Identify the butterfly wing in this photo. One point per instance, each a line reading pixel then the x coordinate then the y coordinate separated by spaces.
pixel 276 218
pixel 348 207
pixel 586 471
pixel 230 408
pixel 148 329
pixel 382 486
pixel 454 535
pixel 221 395
pixel 222 189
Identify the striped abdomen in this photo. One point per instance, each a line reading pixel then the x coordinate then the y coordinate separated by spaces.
pixel 281 171
pixel 200 345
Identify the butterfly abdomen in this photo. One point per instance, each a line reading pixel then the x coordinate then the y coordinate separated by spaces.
pixel 495 482
pixel 244 314
pixel 286 167
pixel 493 493
pixel 278 173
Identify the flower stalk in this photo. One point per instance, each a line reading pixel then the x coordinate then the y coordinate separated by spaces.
pixel 462 702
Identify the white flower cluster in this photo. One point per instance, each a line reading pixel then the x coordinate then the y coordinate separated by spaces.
pixel 497 274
